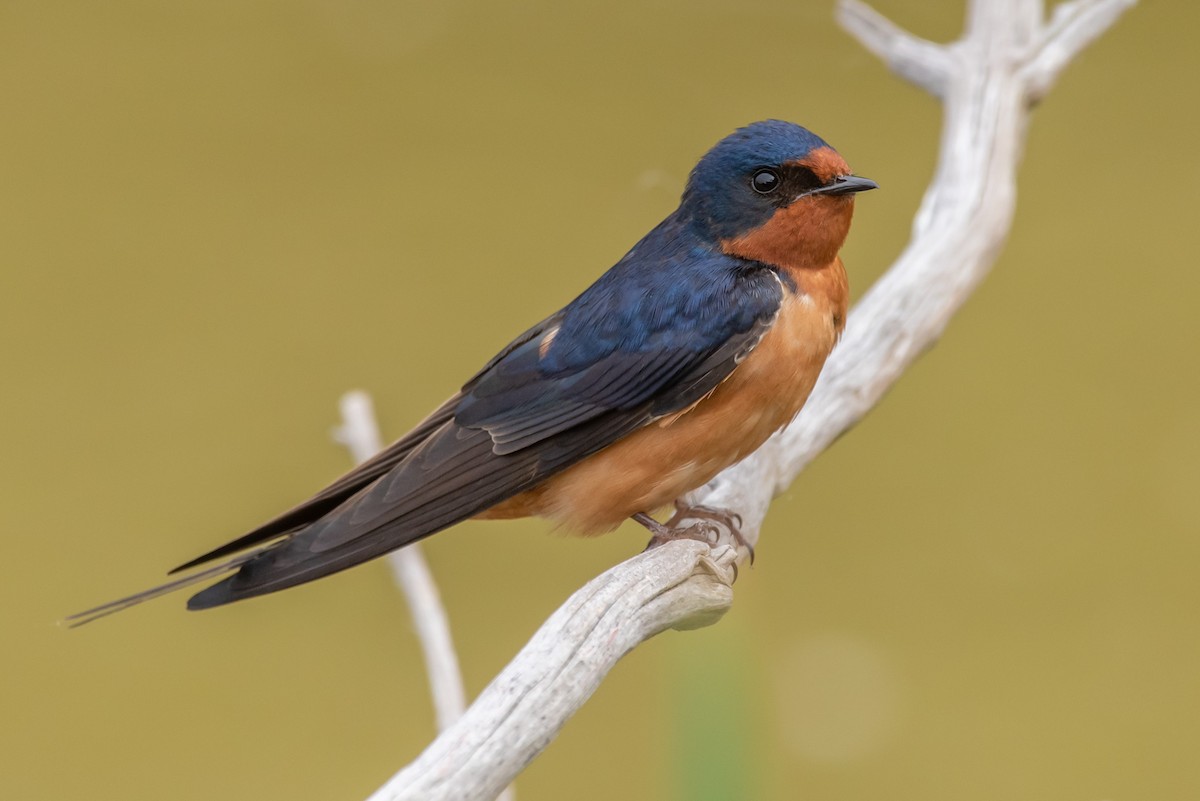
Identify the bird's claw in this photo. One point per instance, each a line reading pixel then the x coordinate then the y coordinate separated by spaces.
pixel 707 526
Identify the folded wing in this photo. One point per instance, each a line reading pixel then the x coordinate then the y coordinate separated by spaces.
pixel 568 387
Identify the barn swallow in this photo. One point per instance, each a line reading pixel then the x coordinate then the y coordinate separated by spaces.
pixel 683 358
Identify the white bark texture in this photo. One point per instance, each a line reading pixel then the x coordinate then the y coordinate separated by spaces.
pixel 1006 61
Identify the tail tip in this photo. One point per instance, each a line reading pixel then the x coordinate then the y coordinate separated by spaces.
pixel 218 594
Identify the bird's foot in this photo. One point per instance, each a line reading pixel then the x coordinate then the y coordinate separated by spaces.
pixel 708 516
pixel 705 524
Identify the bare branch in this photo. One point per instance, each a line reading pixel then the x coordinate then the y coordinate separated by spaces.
pixel 683 584
pixel 412 575
pixel 1073 27
pixel 915 59
pixel 359 432
pixel 985 80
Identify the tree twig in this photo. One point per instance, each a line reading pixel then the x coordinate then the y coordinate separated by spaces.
pixel 918 60
pixel 988 80
pixel 359 432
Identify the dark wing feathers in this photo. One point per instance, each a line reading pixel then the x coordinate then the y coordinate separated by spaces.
pixel 538 406
pixel 336 493
pixel 641 343
pixel 503 439
pixel 476 481
pixel 345 487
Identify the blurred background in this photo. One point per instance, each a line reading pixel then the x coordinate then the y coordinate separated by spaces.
pixel 216 217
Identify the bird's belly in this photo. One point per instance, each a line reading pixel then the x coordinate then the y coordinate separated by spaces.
pixel 657 464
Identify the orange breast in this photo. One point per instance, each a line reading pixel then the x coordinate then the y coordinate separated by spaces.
pixel 655 465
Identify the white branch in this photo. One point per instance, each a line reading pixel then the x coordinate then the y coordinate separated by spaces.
pixel 1073 27
pixel 683 584
pixel 359 432
pixel 1001 64
pixel 411 572
pixel 917 60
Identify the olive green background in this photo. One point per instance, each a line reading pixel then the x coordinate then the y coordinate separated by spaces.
pixel 215 217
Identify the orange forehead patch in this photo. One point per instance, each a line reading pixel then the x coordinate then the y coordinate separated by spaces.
pixel 825 163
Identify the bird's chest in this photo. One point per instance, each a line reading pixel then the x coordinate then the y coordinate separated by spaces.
pixel 772 384
pixel 660 462
pixel 761 396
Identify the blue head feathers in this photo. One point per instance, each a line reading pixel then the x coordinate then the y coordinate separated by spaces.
pixel 719 197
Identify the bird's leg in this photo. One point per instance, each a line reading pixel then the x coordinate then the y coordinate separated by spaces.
pixel 705 532
pixel 661 533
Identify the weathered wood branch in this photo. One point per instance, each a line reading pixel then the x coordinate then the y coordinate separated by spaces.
pixel 988 80
pixel 917 60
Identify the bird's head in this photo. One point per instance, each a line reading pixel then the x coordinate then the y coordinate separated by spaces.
pixel 773 192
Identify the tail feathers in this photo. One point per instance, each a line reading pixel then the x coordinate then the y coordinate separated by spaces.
pixel 293 562
pixel 104 610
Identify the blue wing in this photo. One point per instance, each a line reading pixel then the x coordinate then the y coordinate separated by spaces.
pixel 655 334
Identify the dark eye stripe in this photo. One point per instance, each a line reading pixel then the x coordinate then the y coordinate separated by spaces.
pixel 801 179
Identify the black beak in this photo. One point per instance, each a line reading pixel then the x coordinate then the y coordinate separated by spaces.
pixel 846 185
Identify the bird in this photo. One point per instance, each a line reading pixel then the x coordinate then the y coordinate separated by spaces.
pixel 680 360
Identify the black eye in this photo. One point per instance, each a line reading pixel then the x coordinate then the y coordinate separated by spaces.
pixel 765 181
